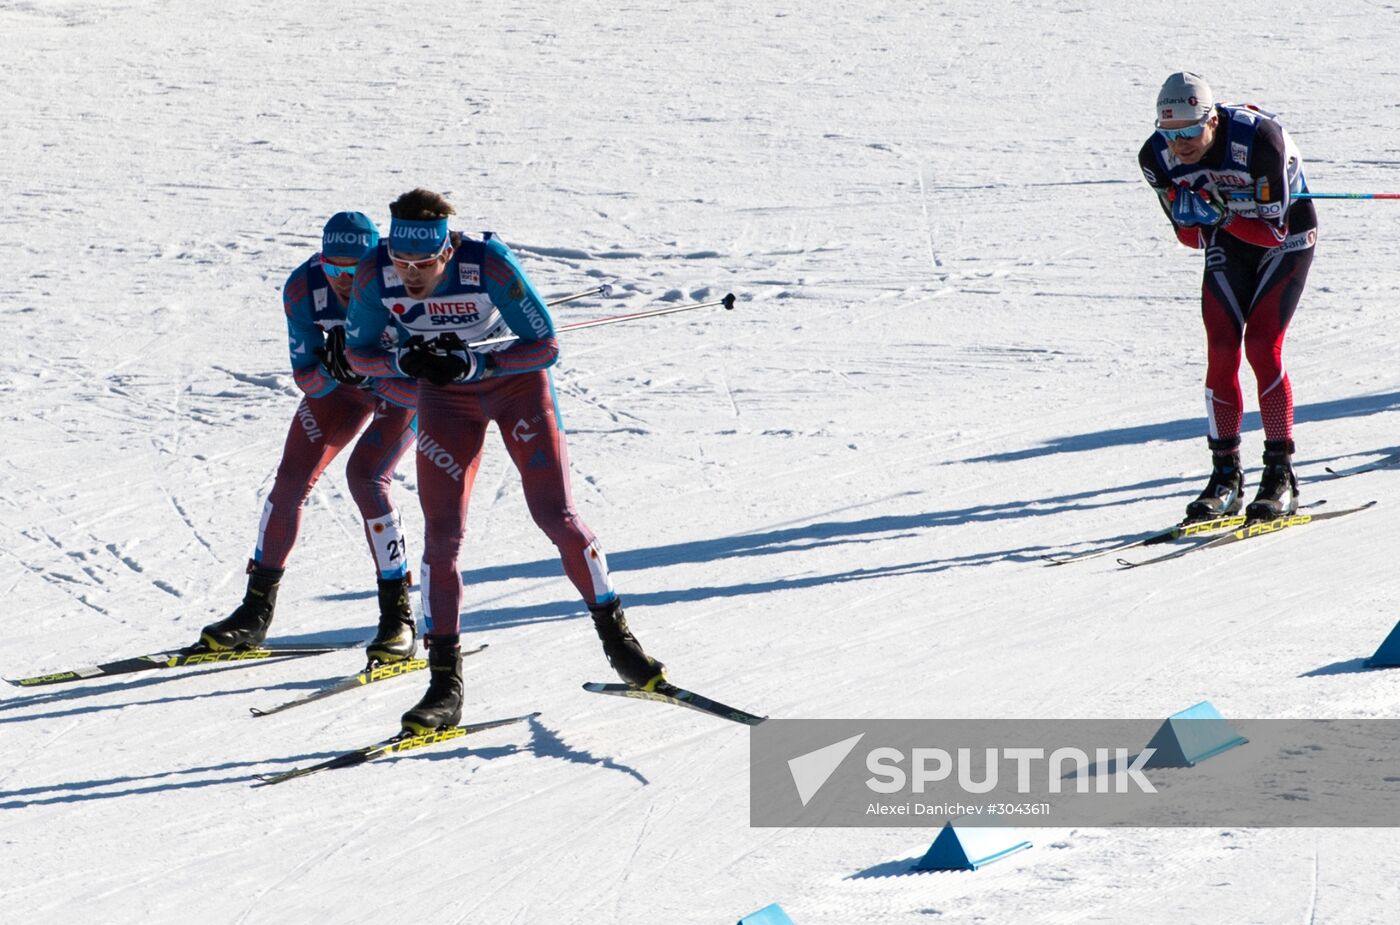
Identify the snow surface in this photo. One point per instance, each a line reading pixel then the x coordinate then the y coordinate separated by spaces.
pixel 966 337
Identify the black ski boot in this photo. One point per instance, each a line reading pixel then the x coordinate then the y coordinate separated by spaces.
pixel 624 652
pixel 442 704
pixel 397 638
pixel 1224 493
pixel 246 627
pixel 1278 486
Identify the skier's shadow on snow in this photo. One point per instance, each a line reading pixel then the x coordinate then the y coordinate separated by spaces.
pixel 824 534
pixel 912 526
pixel 1190 428
pixel 777 542
pixel 90 790
pixel 68 694
pixel 798 539
pixel 86 790
pixel 546 743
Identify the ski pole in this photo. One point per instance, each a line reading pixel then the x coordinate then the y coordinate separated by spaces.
pixel 1346 195
pixel 603 290
pixel 1246 195
pixel 727 302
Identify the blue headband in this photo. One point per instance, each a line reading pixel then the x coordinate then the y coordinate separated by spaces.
pixel 348 234
pixel 417 237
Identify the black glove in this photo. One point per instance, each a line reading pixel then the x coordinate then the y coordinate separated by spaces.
pixel 436 368
pixel 333 357
pixel 455 363
pixel 414 361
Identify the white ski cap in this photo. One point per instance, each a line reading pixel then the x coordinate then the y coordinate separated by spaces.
pixel 1184 97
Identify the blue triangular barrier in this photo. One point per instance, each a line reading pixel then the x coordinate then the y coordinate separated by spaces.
pixel 1191 736
pixel 1388 655
pixel 969 848
pixel 768 915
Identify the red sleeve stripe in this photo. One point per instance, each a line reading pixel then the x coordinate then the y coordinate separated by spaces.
pixel 402 392
pixel 499 271
pixel 370 362
pixel 312 381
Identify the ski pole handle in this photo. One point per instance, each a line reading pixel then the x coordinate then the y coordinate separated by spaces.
pixel 727 302
pixel 603 290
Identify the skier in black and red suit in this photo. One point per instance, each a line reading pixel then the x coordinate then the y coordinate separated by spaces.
pixel 1228 177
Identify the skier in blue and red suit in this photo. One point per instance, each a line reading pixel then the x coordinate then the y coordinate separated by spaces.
pixel 433 293
pixel 337 404
pixel 1228 177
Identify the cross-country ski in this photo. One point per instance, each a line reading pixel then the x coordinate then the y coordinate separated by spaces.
pixel 1248 531
pixel 400 743
pixel 191 657
pixel 373 674
pixel 679 696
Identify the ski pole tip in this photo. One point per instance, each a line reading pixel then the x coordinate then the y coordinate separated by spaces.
pixel 728 301
pixel 605 289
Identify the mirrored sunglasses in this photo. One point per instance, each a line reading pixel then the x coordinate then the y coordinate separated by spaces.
pixel 1193 130
pixel 334 269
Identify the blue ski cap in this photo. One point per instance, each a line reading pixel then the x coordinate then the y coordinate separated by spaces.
pixel 1185 97
pixel 348 234
pixel 410 236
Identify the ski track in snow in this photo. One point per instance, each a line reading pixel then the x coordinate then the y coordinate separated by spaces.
pixel 964 338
